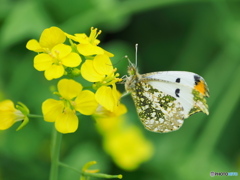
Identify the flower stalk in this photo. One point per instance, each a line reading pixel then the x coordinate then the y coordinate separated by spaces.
pixel 55 152
pixel 100 175
pixel 94 173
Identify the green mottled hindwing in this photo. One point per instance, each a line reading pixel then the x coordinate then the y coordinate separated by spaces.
pixel 159 112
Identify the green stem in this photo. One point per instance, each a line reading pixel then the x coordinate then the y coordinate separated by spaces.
pixel 34 116
pixel 101 175
pixel 55 152
pixel 89 174
pixel 69 167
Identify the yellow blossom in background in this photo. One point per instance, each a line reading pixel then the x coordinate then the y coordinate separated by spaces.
pixel 119 110
pixel 124 143
pixel 9 114
pixel 63 111
pixel 50 37
pixel 128 147
pixel 54 63
pixel 101 71
pixel 89 45
pixel 108 121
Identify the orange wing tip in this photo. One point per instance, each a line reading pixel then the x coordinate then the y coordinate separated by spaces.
pixel 202 88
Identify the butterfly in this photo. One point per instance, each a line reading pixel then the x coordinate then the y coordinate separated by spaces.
pixel 164 99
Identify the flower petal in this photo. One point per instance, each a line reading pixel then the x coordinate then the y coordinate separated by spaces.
pixel 7 114
pixel 81 37
pixel 119 110
pixel 7 105
pixel 89 73
pixel 61 50
pixel 72 37
pixel 108 53
pixel 116 94
pixel 42 61
pixel 104 97
pixel 54 72
pixel 69 88
pixel 6 119
pixel 71 60
pixel 34 45
pixel 67 122
pixel 89 49
pixel 51 37
pixel 103 64
pixel 86 103
pixel 51 109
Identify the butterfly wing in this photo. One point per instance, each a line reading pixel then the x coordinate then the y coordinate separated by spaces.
pixel 188 88
pixel 164 99
pixel 158 111
pixel 184 78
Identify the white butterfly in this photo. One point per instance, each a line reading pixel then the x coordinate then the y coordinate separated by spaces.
pixel 164 99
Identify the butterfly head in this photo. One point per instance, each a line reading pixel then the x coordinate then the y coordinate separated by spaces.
pixel 132 69
pixel 133 76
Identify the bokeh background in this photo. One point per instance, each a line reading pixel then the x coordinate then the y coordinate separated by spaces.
pixel 202 36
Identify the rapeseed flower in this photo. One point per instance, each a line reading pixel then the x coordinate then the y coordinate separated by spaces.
pixel 54 63
pixel 100 70
pixel 108 121
pixel 10 115
pixel 128 147
pixel 72 99
pixel 54 56
pixel 49 38
pixel 88 45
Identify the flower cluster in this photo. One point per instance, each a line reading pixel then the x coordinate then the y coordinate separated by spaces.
pixel 82 57
pixel 58 59
pixel 72 99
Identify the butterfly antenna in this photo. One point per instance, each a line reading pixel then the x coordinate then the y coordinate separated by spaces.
pixel 136 48
pixel 129 61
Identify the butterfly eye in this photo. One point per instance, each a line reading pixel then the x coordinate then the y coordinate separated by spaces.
pixel 131 70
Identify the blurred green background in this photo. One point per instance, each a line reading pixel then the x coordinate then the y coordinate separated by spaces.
pixel 189 35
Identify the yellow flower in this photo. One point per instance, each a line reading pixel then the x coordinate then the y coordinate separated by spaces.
pixel 54 63
pixel 63 112
pixel 108 121
pixel 97 69
pixel 101 112
pixel 128 147
pixel 108 97
pixel 89 45
pixel 101 71
pixel 55 56
pixel 9 114
pixel 50 37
